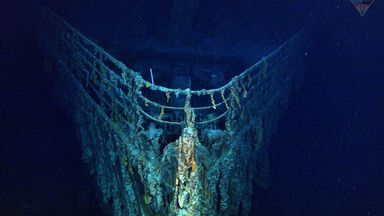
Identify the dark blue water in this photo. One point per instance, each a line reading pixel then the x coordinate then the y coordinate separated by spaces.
pixel 327 155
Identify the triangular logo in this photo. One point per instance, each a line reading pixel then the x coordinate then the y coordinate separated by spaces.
pixel 362 6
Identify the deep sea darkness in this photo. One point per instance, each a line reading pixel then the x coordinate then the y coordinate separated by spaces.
pixel 327 156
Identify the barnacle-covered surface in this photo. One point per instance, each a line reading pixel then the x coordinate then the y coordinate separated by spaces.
pixel 152 156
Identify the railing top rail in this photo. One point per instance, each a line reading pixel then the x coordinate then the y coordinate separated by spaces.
pixel 140 81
